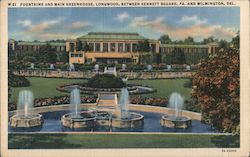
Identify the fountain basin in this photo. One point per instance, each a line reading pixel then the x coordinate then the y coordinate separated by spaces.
pixel 176 122
pixel 135 120
pixel 110 118
pixel 85 120
pixel 21 121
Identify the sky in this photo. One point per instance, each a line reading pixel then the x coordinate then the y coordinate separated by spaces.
pixel 178 22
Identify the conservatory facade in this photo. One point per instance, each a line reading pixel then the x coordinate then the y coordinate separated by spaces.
pixel 108 48
pixel 103 47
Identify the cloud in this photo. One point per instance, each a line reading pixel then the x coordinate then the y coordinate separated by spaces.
pixel 198 30
pixel 193 20
pixel 123 16
pixel 80 24
pixel 24 23
pixel 142 21
pixel 40 27
pixel 44 30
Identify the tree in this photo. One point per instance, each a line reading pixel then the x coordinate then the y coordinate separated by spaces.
pixel 165 39
pixel 208 40
pixel 64 57
pixel 46 54
pixel 143 46
pixel 189 40
pixel 236 40
pixel 178 56
pixel 216 85
pixel 223 44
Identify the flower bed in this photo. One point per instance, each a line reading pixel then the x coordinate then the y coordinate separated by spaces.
pixel 149 101
pixel 57 100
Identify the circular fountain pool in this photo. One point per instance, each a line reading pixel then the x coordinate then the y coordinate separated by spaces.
pixel 176 122
pixel 21 121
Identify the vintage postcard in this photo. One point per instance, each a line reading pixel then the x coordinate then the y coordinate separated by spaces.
pixel 124 78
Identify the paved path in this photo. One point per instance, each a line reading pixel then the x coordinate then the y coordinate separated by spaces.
pixel 107 101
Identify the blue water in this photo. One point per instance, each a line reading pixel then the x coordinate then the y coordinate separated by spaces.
pixel 52 123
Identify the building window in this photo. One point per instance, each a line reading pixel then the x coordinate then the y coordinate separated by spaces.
pixel 153 47
pixel 105 47
pixel 127 47
pixel 120 47
pixel 134 47
pixel 97 47
pixel 58 48
pixel 112 46
pixel 89 60
pixel 71 46
pixel 91 46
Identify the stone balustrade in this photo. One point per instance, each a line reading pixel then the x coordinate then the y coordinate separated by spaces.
pixel 89 74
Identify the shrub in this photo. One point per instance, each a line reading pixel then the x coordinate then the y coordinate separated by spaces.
pixel 106 81
pixel 216 86
pixel 17 81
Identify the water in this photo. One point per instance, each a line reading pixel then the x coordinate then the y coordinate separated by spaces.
pixel 96 67
pixel 123 102
pixel 169 67
pixel 75 101
pixel 52 66
pixel 149 67
pixel 176 102
pixel 25 103
pixel 124 66
pixel 71 67
pixel 52 123
pixel 32 66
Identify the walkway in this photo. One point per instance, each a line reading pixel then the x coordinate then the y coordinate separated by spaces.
pixel 107 101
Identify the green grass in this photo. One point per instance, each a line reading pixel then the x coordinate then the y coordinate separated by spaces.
pixel 165 87
pixel 46 87
pixel 60 141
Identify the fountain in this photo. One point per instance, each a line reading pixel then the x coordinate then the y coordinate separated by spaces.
pixel 96 67
pixel 124 67
pixel 149 67
pixel 51 67
pixel 71 67
pixel 177 120
pixel 32 66
pixel 118 117
pixel 169 67
pixel 188 68
pixel 25 118
pixel 77 119
pixel 121 117
pixel 75 101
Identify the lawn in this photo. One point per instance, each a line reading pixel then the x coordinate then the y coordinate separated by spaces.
pixel 46 87
pixel 165 87
pixel 60 141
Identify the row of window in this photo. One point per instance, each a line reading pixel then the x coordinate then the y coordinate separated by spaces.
pixel 36 47
pixel 187 50
pixel 76 55
pixel 106 48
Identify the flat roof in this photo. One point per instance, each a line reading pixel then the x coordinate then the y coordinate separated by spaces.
pixel 39 43
pixel 112 36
